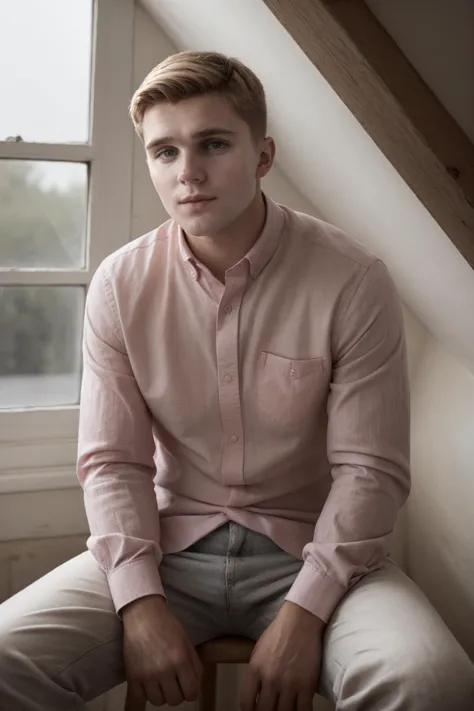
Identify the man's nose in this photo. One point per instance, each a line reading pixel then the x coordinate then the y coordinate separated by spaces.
pixel 191 171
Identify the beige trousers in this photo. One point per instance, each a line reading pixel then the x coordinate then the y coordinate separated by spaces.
pixel 385 648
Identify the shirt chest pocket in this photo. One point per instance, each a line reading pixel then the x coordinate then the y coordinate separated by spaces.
pixel 291 393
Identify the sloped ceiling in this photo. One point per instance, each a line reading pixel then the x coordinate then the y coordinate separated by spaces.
pixel 328 156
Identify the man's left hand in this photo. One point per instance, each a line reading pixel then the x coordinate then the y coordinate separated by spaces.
pixel 283 671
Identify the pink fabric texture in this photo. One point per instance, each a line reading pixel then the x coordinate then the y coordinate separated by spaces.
pixel 278 400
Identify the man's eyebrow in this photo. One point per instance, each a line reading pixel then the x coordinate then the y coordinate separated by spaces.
pixel 212 132
pixel 204 133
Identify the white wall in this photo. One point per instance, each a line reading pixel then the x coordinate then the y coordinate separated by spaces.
pixel 440 550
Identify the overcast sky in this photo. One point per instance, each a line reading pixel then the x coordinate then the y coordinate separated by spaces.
pixel 45 48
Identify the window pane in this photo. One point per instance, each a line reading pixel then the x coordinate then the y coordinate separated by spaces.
pixel 40 345
pixel 43 214
pixel 45 60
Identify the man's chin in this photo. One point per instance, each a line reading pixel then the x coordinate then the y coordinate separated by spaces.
pixel 200 227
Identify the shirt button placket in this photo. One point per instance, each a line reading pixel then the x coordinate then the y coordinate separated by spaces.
pixel 227 349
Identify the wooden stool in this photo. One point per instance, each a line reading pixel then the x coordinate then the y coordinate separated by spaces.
pixel 223 650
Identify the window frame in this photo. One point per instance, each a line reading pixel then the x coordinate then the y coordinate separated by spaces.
pixel 38 445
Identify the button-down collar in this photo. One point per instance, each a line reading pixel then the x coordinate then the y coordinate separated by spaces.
pixel 258 256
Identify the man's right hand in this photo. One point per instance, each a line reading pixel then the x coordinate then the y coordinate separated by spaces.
pixel 161 664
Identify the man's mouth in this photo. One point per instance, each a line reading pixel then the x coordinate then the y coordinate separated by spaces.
pixel 196 199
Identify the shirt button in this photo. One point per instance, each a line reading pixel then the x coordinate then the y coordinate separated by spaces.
pixel 228 378
pixel 234 439
pixel 228 308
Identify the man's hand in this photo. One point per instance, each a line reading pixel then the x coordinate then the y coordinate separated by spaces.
pixel 284 668
pixel 161 664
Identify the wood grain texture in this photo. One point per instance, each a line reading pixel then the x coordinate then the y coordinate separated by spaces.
pixel 361 62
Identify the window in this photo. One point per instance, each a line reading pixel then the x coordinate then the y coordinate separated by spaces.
pixel 65 196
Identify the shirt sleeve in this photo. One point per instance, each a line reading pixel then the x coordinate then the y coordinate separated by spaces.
pixel 368 443
pixel 115 456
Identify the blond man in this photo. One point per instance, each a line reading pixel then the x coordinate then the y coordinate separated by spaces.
pixel 243 447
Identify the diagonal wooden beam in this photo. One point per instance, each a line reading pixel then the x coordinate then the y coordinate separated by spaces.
pixel 355 54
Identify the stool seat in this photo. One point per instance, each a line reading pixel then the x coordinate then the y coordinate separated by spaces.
pixel 226 650
pixel 222 650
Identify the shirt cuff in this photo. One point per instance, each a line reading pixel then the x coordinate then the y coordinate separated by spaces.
pixel 316 592
pixel 134 580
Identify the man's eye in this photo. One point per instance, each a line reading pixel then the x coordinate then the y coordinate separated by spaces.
pixel 166 153
pixel 216 145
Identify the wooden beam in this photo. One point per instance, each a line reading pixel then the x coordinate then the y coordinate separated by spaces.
pixel 361 62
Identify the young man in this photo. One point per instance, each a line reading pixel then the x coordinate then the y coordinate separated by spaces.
pixel 249 361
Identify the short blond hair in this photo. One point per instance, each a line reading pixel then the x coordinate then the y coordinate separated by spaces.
pixel 188 74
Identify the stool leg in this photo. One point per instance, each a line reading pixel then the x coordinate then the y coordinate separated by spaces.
pixel 208 688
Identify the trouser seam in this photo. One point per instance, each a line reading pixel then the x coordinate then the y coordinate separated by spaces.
pixel 89 651
pixel 336 687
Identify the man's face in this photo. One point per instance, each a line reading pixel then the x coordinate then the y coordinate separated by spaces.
pixel 200 148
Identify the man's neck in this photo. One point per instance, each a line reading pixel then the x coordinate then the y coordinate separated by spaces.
pixel 221 251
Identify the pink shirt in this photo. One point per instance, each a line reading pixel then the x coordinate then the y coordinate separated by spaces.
pixel 278 400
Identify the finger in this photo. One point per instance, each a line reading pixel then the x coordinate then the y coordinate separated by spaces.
pixel 196 662
pixel 189 681
pixel 304 701
pixel 267 698
pixel 136 697
pixel 154 693
pixel 250 690
pixel 287 702
pixel 172 690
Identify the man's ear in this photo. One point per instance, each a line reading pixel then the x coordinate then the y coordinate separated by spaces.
pixel 267 156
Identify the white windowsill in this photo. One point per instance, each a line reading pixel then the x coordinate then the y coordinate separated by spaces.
pixel 15 481
pixel 38 449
